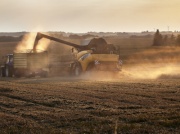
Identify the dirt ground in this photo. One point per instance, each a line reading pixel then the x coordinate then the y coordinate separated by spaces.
pixel 82 105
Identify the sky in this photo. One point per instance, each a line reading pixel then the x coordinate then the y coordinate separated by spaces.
pixel 81 16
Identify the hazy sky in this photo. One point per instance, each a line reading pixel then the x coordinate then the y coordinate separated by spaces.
pixel 89 15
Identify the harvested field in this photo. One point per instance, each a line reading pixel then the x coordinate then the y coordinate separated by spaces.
pixel 77 105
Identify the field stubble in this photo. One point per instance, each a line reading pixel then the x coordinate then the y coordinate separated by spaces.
pixel 81 105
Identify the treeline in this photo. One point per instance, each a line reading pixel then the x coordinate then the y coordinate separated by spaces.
pixel 160 39
pixel 10 38
pixel 142 36
pixel 72 36
pixel 75 36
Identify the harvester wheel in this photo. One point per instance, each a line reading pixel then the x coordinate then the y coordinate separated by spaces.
pixel 77 70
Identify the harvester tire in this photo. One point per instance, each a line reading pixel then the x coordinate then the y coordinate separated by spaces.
pixel 77 70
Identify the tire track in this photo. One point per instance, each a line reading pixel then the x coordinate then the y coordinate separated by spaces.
pixel 140 95
pixel 27 100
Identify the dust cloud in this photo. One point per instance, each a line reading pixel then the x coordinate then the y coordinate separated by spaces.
pixel 152 71
pixel 26 45
pixel 101 75
pixel 154 63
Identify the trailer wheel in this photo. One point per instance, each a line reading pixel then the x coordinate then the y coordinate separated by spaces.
pixel 77 70
pixel 3 72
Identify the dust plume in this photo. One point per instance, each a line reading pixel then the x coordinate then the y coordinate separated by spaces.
pixel 154 63
pixel 43 44
pixel 101 75
pixel 28 41
pixel 152 71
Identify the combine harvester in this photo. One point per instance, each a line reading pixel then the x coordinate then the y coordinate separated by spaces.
pixel 94 54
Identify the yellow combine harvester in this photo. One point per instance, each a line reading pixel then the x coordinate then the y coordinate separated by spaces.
pixel 94 54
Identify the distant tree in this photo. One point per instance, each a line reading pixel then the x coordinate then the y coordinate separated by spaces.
pixel 157 39
pixel 10 38
pixel 178 40
pixel 88 36
pixel 172 39
pixel 165 40
pixel 75 36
